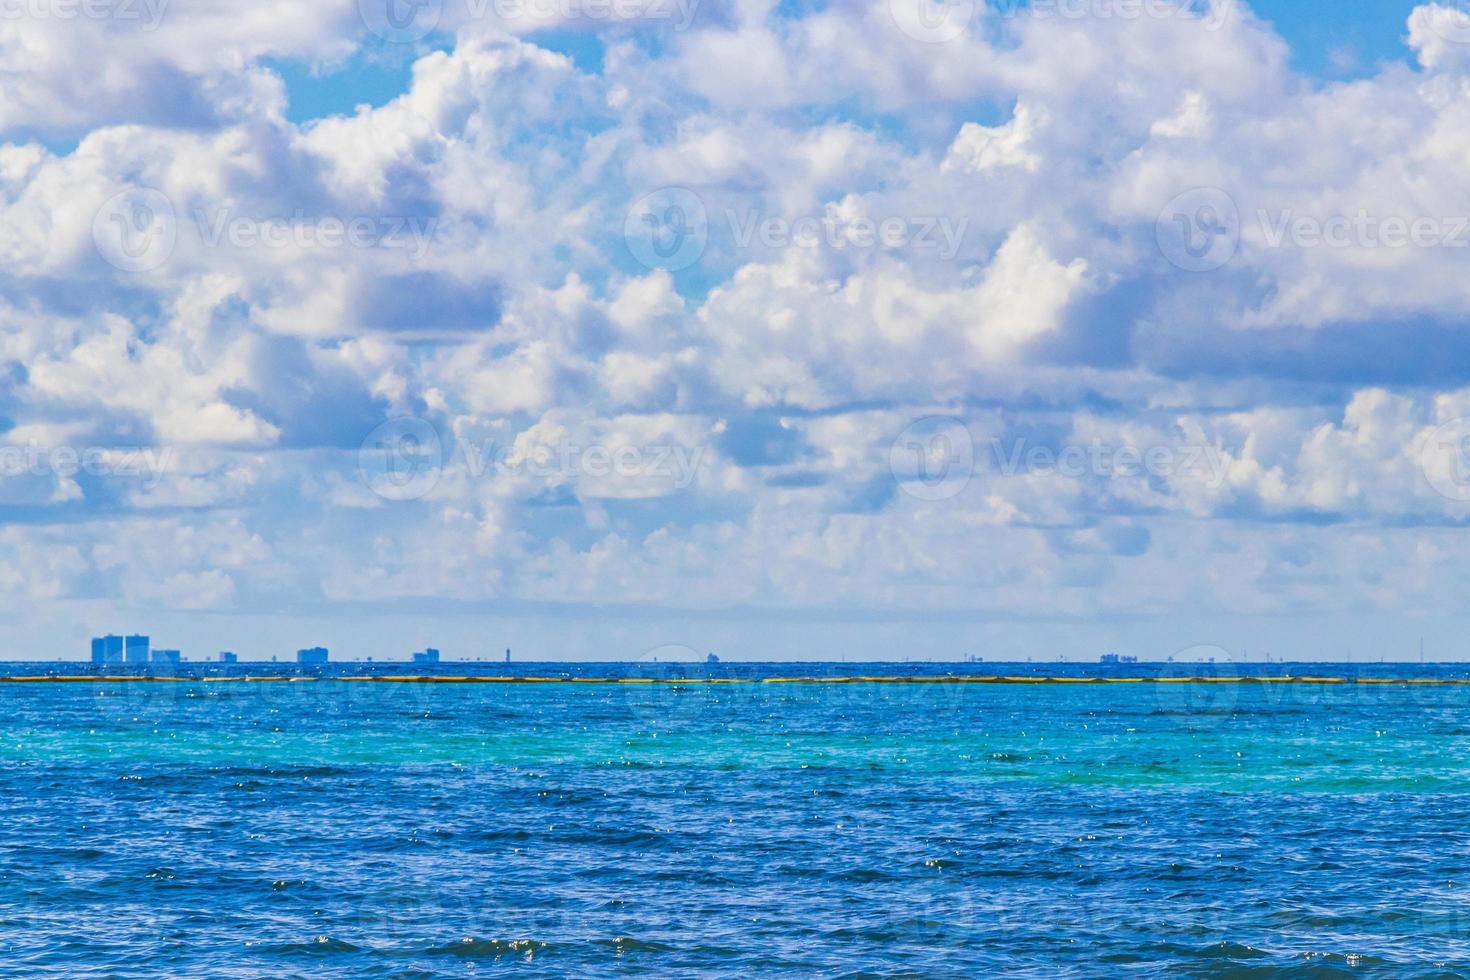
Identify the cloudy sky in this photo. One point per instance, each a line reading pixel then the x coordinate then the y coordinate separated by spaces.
pixel 866 328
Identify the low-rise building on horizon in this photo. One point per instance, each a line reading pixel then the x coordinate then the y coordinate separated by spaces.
pixel 312 655
pixel 107 649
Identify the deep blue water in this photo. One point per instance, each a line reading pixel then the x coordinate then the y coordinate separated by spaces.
pixel 348 829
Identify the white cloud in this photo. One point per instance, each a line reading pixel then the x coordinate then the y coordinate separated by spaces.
pixel 1440 34
pixel 981 149
pixel 79 65
pixel 1192 120
pixel 1025 291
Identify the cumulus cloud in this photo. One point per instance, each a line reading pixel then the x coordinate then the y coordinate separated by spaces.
pixel 1123 259
pixel 74 66
pixel 1440 35
pixel 980 149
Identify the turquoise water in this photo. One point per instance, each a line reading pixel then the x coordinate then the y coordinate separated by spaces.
pixel 350 829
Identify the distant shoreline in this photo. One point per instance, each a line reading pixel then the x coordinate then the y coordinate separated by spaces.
pixel 747 672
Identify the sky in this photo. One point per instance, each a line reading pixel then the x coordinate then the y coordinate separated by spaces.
pixel 614 329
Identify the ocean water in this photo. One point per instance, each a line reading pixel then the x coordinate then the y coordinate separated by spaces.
pixel 338 828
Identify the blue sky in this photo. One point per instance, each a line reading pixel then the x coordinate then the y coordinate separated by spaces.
pixel 865 329
pixel 1340 39
pixel 1328 41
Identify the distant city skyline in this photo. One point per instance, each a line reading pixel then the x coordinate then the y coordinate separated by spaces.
pixel 1418 651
